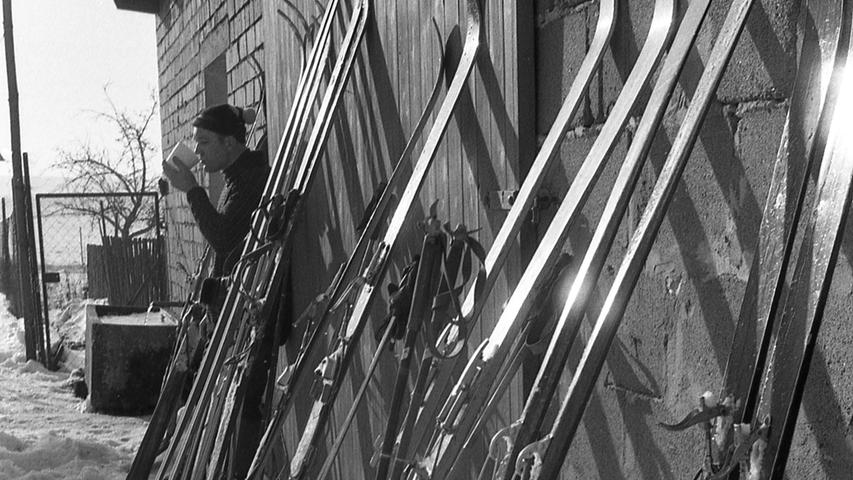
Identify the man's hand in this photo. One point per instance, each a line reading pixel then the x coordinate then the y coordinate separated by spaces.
pixel 179 176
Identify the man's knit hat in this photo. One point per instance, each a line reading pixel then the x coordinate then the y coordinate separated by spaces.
pixel 226 120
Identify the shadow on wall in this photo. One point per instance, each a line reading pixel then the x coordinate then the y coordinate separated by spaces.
pixel 719 140
pixel 767 46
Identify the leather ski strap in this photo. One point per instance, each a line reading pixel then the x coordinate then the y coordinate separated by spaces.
pixel 456 271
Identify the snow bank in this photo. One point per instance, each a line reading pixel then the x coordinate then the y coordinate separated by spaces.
pixel 11 334
pixel 45 432
pixel 58 458
pixel 70 322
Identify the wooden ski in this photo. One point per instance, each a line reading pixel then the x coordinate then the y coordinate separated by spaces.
pixel 262 266
pixel 550 371
pixel 428 306
pixel 174 381
pixel 469 397
pixel 455 337
pixel 317 314
pixel 337 363
pixel 304 177
pixel 803 139
pixel 800 316
pixel 437 376
pixel 547 454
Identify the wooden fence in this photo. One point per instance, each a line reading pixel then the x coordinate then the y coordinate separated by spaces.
pixel 127 272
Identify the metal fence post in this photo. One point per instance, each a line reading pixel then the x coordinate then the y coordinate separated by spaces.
pixel 41 333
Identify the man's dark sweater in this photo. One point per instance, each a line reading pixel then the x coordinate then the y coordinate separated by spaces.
pixel 225 226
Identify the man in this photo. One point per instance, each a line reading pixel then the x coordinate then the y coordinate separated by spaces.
pixel 220 136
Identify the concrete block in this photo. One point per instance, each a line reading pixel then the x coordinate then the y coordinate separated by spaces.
pixel 563 35
pixel 634 20
pixel 757 137
pixel 763 65
pixel 126 357
pixel 573 152
pixel 561 44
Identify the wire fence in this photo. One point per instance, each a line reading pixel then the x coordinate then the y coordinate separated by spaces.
pixel 111 242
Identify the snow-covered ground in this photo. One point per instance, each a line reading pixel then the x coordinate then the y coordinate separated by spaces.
pixel 45 432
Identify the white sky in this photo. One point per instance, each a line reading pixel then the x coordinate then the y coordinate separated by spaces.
pixel 66 52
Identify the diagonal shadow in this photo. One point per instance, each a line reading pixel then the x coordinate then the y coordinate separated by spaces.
pixel 822 407
pixel 497 108
pixel 648 456
pixel 716 139
pixel 776 58
pixel 603 450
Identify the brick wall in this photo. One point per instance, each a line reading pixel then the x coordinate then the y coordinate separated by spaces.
pixel 192 36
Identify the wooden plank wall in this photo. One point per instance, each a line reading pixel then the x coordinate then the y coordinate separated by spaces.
pixel 484 149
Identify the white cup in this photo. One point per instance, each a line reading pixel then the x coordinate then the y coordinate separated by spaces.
pixel 183 153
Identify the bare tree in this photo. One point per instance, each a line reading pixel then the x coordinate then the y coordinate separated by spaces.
pixel 96 169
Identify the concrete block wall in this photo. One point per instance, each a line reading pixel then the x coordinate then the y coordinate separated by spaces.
pixel 674 341
pixel 191 36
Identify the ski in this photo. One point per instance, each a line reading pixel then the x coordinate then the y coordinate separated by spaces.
pixel 305 87
pixel 463 408
pixel 317 314
pixel 538 327
pixel 290 147
pixel 438 370
pixel 548 453
pixel 811 100
pixel 425 285
pixel 189 345
pixel 292 142
pixel 407 310
pixel 454 338
pixel 800 317
pixel 174 380
pixel 539 315
pixel 263 262
pixel 547 379
pixel 303 177
pixel 339 358
pixel 429 306
pixel 803 139
pixel 308 318
pixel 395 319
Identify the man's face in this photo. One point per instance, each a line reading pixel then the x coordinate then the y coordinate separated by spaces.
pixel 212 149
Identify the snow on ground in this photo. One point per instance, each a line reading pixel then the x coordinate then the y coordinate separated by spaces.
pixel 45 432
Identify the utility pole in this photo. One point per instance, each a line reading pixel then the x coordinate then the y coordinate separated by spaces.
pixel 18 199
